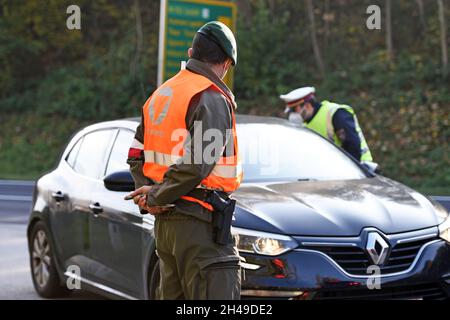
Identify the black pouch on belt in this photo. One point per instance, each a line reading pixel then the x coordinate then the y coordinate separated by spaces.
pixel 222 216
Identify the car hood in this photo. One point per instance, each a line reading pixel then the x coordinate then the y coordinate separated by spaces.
pixel 333 208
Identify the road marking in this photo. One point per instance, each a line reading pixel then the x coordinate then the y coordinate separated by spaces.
pixel 17 183
pixel 440 198
pixel 9 197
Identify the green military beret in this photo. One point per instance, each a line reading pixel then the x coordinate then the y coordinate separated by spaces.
pixel 222 36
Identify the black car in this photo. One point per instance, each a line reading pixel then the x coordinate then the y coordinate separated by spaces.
pixel 311 222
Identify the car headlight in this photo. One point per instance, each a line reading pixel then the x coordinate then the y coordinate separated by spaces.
pixel 444 230
pixel 443 215
pixel 263 243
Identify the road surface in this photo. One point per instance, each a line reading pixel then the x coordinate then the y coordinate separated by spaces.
pixel 15 278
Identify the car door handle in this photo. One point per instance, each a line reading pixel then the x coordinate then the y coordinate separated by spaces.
pixel 58 196
pixel 96 208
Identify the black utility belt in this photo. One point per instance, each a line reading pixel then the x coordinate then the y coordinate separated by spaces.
pixel 223 213
pixel 206 194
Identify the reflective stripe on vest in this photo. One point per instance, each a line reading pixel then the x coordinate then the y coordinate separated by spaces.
pixel 166 133
pixel 166 160
pixel 322 123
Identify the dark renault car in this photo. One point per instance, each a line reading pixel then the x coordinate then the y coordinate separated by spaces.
pixel 311 223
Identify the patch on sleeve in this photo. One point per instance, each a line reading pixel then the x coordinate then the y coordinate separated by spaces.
pixel 134 153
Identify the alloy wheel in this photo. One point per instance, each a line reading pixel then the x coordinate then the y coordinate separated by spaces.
pixel 41 259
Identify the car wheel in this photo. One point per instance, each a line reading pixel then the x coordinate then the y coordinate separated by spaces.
pixel 43 269
pixel 153 281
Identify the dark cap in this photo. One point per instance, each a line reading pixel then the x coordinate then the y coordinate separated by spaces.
pixel 222 35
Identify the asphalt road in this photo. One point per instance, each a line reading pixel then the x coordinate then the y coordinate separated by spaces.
pixel 15 278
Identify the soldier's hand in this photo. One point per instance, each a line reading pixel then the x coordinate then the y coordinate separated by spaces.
pixel 135 195
pixel 139 197
pixel 157 210
pixel 153 210
pixel 141 201
pixel 136 199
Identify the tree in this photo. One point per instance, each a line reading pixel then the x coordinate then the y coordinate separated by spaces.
pixel 327 17
pixel 315 45
pixel 139 42
pixel 421 14
pixel 444 44
pixel 389 42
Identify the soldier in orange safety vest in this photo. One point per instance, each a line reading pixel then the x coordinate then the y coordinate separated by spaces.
pixel 179 175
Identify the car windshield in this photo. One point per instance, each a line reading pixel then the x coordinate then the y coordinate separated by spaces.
pixel 274 152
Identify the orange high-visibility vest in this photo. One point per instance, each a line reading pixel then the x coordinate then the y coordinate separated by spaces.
pixel 165 133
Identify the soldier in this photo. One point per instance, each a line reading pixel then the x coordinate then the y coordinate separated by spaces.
pixel 180 190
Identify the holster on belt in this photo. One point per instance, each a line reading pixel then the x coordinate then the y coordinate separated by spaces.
pixel 222 215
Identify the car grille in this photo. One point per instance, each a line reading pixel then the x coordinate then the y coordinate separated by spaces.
pixel 355 260
pixel 423 291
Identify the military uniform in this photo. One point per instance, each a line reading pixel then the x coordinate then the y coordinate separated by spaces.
pixel 192 265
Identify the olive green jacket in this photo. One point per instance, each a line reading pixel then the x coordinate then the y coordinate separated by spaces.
pixel 214 111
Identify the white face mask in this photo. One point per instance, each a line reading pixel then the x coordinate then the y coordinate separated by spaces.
pixel 295 117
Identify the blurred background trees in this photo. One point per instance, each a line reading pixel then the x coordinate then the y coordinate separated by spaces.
pixel 53 80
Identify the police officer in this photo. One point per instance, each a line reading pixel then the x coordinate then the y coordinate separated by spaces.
pixel 174 183
pixel 337 122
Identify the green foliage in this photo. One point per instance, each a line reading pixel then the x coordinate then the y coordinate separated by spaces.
pixel 92 73
pixel 403 105
pixel 54 81
pixel 101 87
pixel 26 150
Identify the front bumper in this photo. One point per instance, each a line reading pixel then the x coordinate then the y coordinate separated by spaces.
pixel 308 274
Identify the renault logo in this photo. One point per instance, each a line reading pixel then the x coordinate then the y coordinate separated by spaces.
pixel 377 248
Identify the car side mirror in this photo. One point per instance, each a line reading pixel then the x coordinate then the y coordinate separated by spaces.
pixel 373 167
pixel 119 181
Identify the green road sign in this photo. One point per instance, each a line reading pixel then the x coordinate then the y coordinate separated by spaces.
pixel 179 21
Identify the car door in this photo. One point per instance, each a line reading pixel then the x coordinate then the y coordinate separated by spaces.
pixel 83 179
pixel 117 229
pixel 67 228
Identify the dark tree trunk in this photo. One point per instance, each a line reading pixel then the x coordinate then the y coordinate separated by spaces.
pixel 444 44
pixel 139 42
pixel 389 42
pixel 315 45
pixel 421 14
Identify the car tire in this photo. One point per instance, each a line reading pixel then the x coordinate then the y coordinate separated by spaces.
pixel 153 282
pixel 42 264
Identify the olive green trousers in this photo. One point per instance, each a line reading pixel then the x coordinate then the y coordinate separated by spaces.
pixel 192 266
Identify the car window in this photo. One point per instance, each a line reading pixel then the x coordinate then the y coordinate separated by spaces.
pixel 277 152
pixel 119 154
pixel 93 152
pixel 73 153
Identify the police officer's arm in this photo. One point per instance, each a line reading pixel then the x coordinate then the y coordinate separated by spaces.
pixel 136 157
pixel 210 109
pixel 345 129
